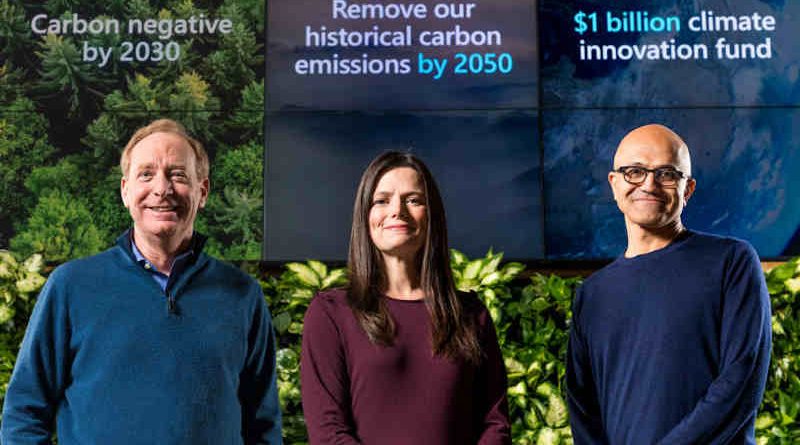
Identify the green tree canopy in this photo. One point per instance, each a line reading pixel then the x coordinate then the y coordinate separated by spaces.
pixel 60 228
pixel 23 146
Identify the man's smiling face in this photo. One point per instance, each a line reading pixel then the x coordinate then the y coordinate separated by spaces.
pixel 161 188
pixel 650 204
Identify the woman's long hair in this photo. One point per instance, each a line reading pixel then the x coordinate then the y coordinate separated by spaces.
pixel 453 330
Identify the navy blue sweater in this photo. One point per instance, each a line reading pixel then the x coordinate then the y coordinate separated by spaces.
pixel 671 347
pixel 106 358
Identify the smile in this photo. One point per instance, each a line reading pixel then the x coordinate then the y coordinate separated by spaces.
pixel 398 227
pixel 163 208
pixel 649 200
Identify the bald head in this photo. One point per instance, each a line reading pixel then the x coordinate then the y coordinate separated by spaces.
pixel 653 141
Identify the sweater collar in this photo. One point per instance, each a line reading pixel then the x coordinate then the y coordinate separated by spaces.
pixel 195 247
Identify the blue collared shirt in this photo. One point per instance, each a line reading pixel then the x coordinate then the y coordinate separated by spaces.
pixel 178 265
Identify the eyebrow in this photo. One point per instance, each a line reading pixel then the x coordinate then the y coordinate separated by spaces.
pixel 384 192
pixel 639 164
pixel 169 166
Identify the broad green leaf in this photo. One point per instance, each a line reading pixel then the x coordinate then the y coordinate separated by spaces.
pixel 497 314
pixel 556 411
pixel 547 436
pixel 539 304
pixel 490 279
pixel 472 269
pixel 764 421
pixel 336 277
pixel 30 282
pixel 7 264
pixel 281 322
pixel 777 327
pixel 34 263
pixel 784 271
pixel 489 265
pixel 520 389
pixel 457 257
pixel 793 285
pixel 320 268
pixel 514 367
pixel 532 419
pixel 305 274
pixel 6 313
pixel 511 270
pixel 303 293
pixel 545 389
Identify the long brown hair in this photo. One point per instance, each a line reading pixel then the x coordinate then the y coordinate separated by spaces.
pixel 453 328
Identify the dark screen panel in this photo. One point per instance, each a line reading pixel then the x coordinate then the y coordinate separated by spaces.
pixel 484 162
pixel 744 160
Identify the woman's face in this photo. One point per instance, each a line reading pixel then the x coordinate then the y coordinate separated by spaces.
pixel 398 219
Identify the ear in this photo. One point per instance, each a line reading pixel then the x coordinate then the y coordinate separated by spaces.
pixel 204 187
pixel 612 180
pixel 690 186
pixel 123 190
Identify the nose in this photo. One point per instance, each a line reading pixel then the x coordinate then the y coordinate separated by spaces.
pixel 162 186
pixel 649 182
pixel 398 207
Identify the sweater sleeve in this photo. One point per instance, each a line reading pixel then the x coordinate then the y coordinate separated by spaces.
pixel 746 338
pixel 496 426
pixel 258 392
pixel 584 407
pixel 324 380
pixel 41 372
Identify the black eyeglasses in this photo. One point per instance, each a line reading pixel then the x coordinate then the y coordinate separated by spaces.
pixel 666 176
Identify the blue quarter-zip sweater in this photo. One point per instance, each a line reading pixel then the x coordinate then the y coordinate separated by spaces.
pixel 110 357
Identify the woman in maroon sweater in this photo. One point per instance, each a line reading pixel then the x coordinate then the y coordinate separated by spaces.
pixel 400 358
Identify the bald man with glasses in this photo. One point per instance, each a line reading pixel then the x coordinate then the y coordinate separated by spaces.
pixel 670 343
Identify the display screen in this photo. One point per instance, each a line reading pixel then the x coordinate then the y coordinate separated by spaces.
pixel 518 106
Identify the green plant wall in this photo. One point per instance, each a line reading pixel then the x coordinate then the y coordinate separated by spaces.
pixel 531 316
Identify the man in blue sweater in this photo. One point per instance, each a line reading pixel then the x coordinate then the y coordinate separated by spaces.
pixel 670 343
pixel 151 341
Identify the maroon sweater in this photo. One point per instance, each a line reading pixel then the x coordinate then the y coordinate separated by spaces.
pixel 355 392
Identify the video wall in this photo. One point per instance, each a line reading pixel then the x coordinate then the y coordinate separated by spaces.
pixel 517 107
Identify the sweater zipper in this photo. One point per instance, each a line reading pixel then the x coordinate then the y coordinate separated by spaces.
pixel 171 307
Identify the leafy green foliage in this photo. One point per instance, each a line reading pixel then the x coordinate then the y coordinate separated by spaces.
pixel 779 419
pixel 63 72
pixel 108 213
pixel 105 139
pixel 249 116
pixel 532 328
pixel 234 223
pixel 14 31
pixel 192 103
pixel 235 62
pixel 241 167
pixel 23 146
pixel 288 297
pixel 60 176
pixel 59 228
pixel 234 219
pixel 18 283
pixel 10 80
